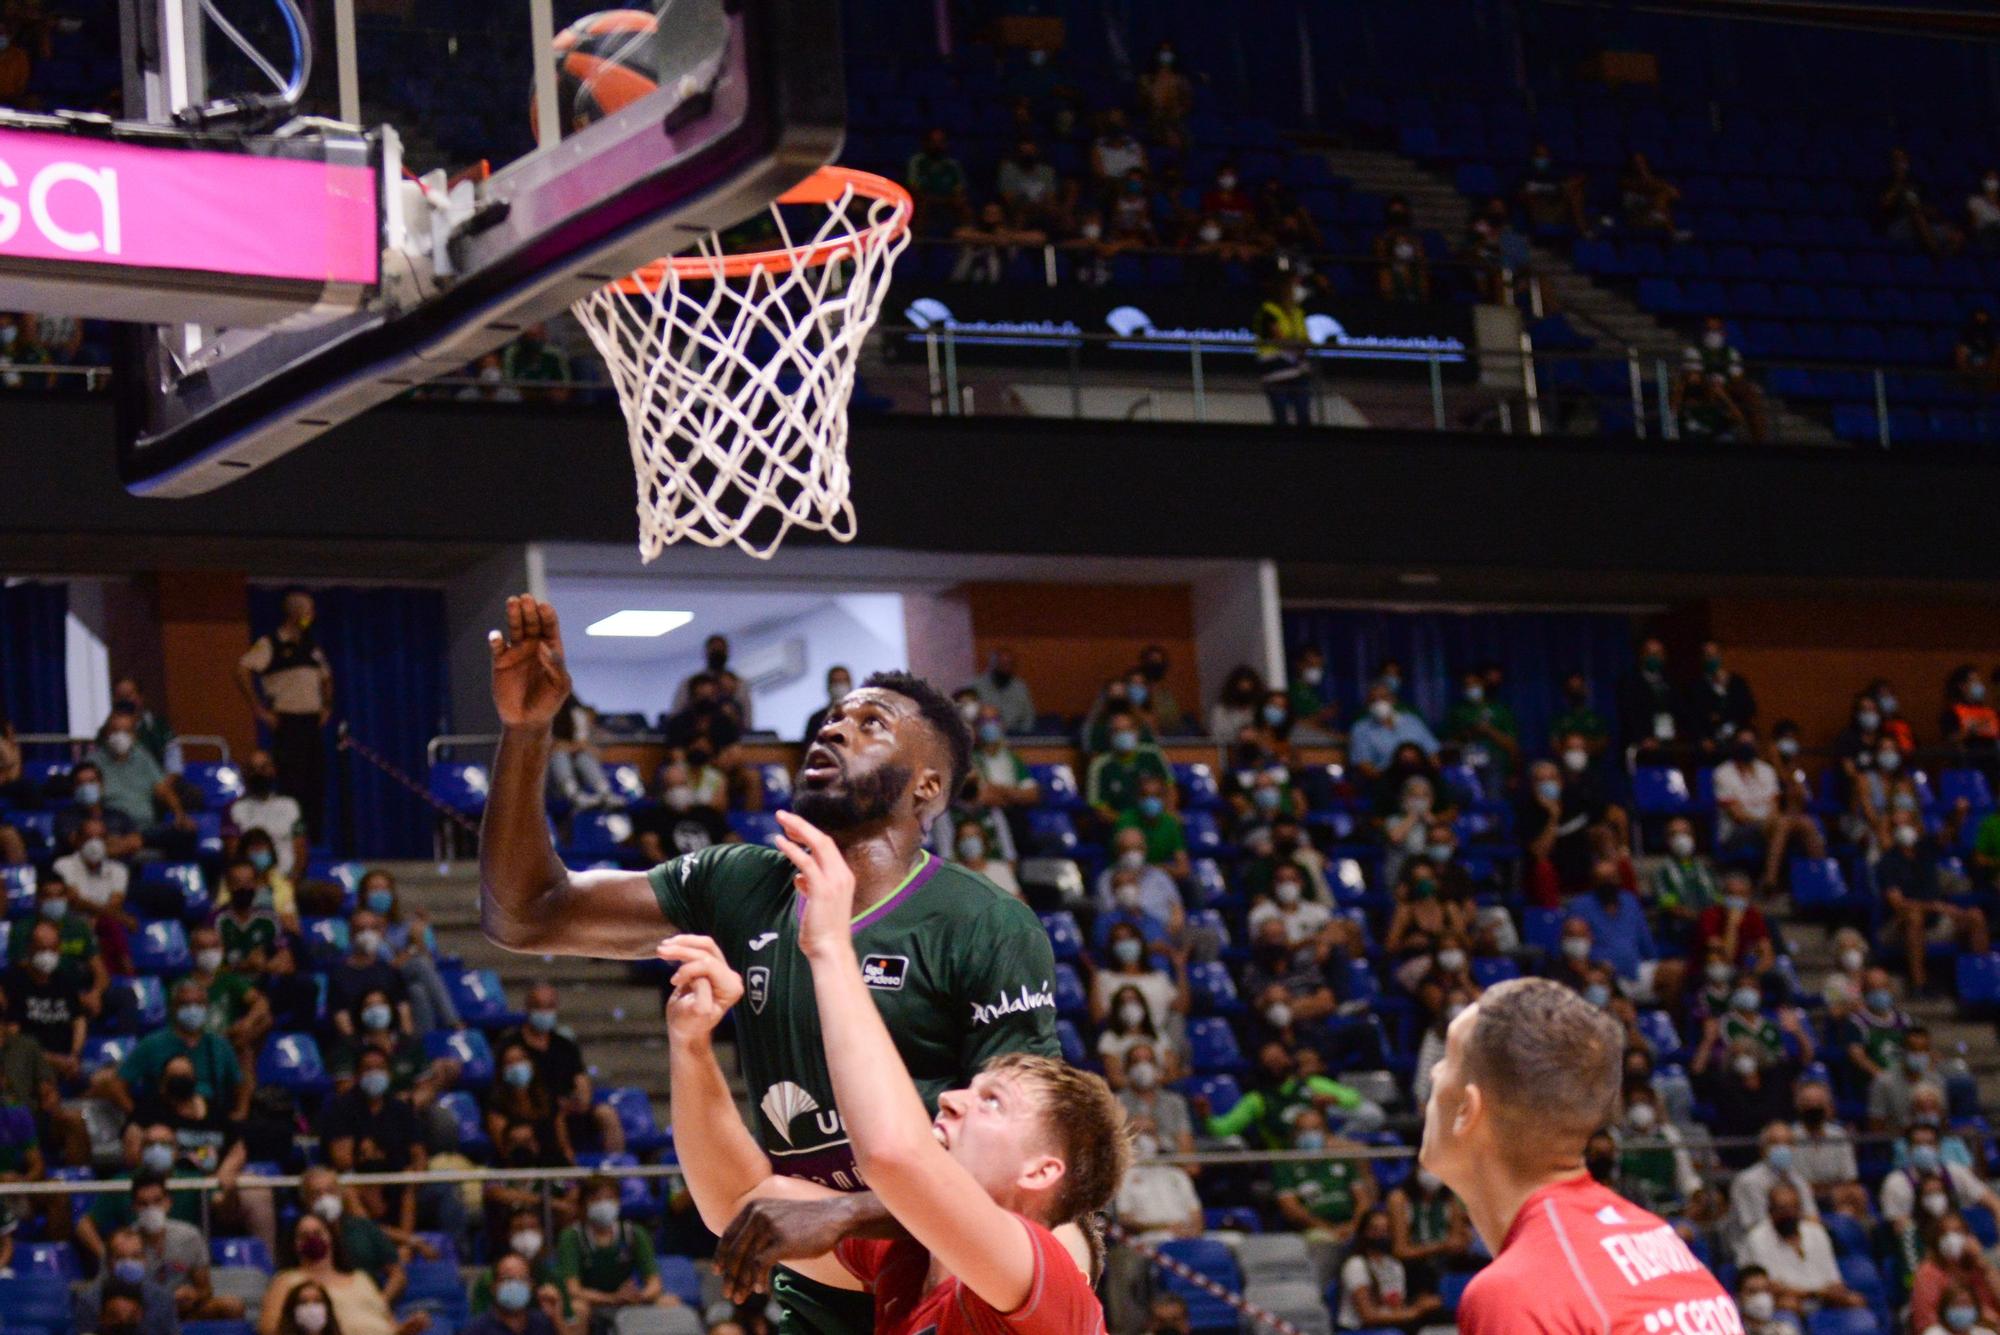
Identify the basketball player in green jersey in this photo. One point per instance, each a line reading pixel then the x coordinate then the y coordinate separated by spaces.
pixel 961 971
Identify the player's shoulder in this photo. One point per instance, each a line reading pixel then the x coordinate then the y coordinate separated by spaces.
pixel 736 863
pixel 968 895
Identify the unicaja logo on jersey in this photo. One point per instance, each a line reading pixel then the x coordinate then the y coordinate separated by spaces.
pixel 1019 1004
pixel 784 1101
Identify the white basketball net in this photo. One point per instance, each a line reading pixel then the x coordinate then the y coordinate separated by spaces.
pixel 735 389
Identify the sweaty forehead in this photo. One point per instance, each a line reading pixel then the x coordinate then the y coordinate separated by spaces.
pixel 898 707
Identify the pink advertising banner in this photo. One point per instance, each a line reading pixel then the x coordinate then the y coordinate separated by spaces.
pixel 68 198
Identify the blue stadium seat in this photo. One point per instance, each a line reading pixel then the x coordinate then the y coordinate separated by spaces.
pixel 1051 832
pixel 1860 1273
pixel 1660 790
pixel 1058 787
pixel 1071 999
pixel 102 1050
pixel 293 1061
pixel 47 1258
pixel 1817 883
pixel 635 1199
pixel 1214 991
pixel 1212 1047
pixel 241 1251
pixel 628 783
pixel 460 787
pixel 1221 1091
pixel 19 881
pixel 679 1277
pixel 1065 937
pixel 1490 969
pixel 755 827
pixel 1073 1050
pixel 183 887
pixel 1542 928
pixel 1198 789
pixel 1231 1219
pixel 1451 1288
pixel 161 947
pixel 1980 1220
pixel 1967 784
pixel 1657 1028
pixel 1210 1258
pixel 776 782
pixel 1843 1321
pixel 218 782
pixel 1848 1235
pixel 469 1048
pixel 464 1109
pixel 643 1134
pixel 1979 979
pixel 1204 836
pixel 326 940
pixel 1209 883
pixel 598 834
pixel 480 998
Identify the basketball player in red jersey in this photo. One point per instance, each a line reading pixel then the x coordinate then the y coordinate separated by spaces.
pixel 1031 1145
pixel 1530 1070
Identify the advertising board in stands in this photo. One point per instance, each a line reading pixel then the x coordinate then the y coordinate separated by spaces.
pixel 999 323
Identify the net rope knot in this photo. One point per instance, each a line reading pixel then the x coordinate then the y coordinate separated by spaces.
pixel 734 370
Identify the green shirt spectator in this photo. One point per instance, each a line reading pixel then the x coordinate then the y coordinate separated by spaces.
pixel 934 175
pixel 1270 1111
pixel 542 1270
pixel 243 937
pixel 228 998
pixel 1111 786
pixel 1325 1187
pixel 531 357
pixel 1684 886
pixel 1166 837
pixel 1761 1028
pixel 1986 846
pixel 131 780
pixel 1487 734
pixel 406 1059
pixel 78 945
pixel 216 1073
pixel 626 1256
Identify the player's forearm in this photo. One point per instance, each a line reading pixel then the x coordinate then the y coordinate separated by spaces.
pixel 885 1117
pixel 519 872
pixel 722 1163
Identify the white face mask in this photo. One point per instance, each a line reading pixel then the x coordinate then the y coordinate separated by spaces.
pixel 1132 859
pixel 1210 233
pixel 328 1207
pixel 93 851
pixel 1127 896
pixel 1758 1306
pixel 1451 961
pixel 311 1317
pixel 1382 710
pixel 1952 1246
pixel 1577 947
pixel 1745 1064
pixel 45 961
pixel 1852 959
pixel 152 1219
pixel 1278 1014
pixel 1681 845
pixel 1641 1116
pixel 1576 759
pixel 1092 230
pixel 1143 1075
pixel 1428 1180
pixel 209 960
pixel 120 743
pixel 1132 1014
pixel 679 797
pixel 527 1243
pixel 1936 1203
pixel 1287 892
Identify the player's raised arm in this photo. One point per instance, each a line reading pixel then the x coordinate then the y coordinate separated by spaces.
pixel 528 900
pixel 944 1207
pixel 725 1169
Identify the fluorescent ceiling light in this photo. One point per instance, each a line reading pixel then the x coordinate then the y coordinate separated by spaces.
pixel 635 624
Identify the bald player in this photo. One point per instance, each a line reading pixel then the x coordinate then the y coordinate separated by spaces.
pixel 1530 1070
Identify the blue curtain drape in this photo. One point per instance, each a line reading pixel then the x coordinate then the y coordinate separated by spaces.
pixel 387 650
pixel 34 656
pixel 1536 649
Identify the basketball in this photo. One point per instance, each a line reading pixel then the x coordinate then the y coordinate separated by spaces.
pixel 604 63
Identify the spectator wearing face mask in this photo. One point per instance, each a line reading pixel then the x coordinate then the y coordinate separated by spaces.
pixel 1752 824
pixel 606 1262
pixel 1166 94
pixel 1750 1190
pixel 1653 1159
pixel 1485 731
pixel 1720 358
pixel 1375 1286
pixel 1823 1152
pixel 315 1295
pixel 236 1009
pixel 121 834
pixel 409 944
pixel 1003 687
pixel 1718 703
pixel 1862 1017
pixel 1955 1287
pixel 1757 1303
pixel 679 823
pixel 1429 1231
pixel 253 941
pixel 1906 877
pixel 1302 919
pixel 1969 723
pixel 970 848
pixel 527 1243
pixel 1555 819
pixel 125 1278
pixel 1155 896
pixel 361 971
pixel 1883 786
pixel 839 681
pixel 263 807
pixel 1892 1093
pixel 1926 1181
pixel 1131 963
pixel 359 1241
pixel 1115 784
pixel 1155 1203
pixel 1960 1307
pixel 1552 195
pixel 1283 350
pixel 1649 707
pixel 1146 1068
pixel 1236 707
pixel 217 1074
pixel 49 997
pixel 176 1255
pixel 1792 1247
pixel 1128 1024
pixel 1622 938
pixel 1327 1199
pixel 135 784
pixel 369 1130
pixel 1683 882
pixel 1737 926
pixel 1747 1092
pixel 706 723
pixel 1402 269
pixel 410 1074
pixel 1311 693
pixel 100 882
pixel 559 1067
pixel 520 1305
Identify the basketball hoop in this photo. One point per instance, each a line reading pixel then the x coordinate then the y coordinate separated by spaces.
pixel 734 370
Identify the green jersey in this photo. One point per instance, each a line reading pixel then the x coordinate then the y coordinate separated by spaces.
pixel 961 971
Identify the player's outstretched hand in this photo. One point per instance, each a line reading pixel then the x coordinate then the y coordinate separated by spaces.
pixel 770 1230
pixel 705 987
pixel 530 680
pixel 824 878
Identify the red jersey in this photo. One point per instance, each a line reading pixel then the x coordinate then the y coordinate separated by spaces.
pixel 1582 1260
pixel 1059 1302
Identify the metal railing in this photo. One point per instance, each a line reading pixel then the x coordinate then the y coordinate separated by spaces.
pixel 79 745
